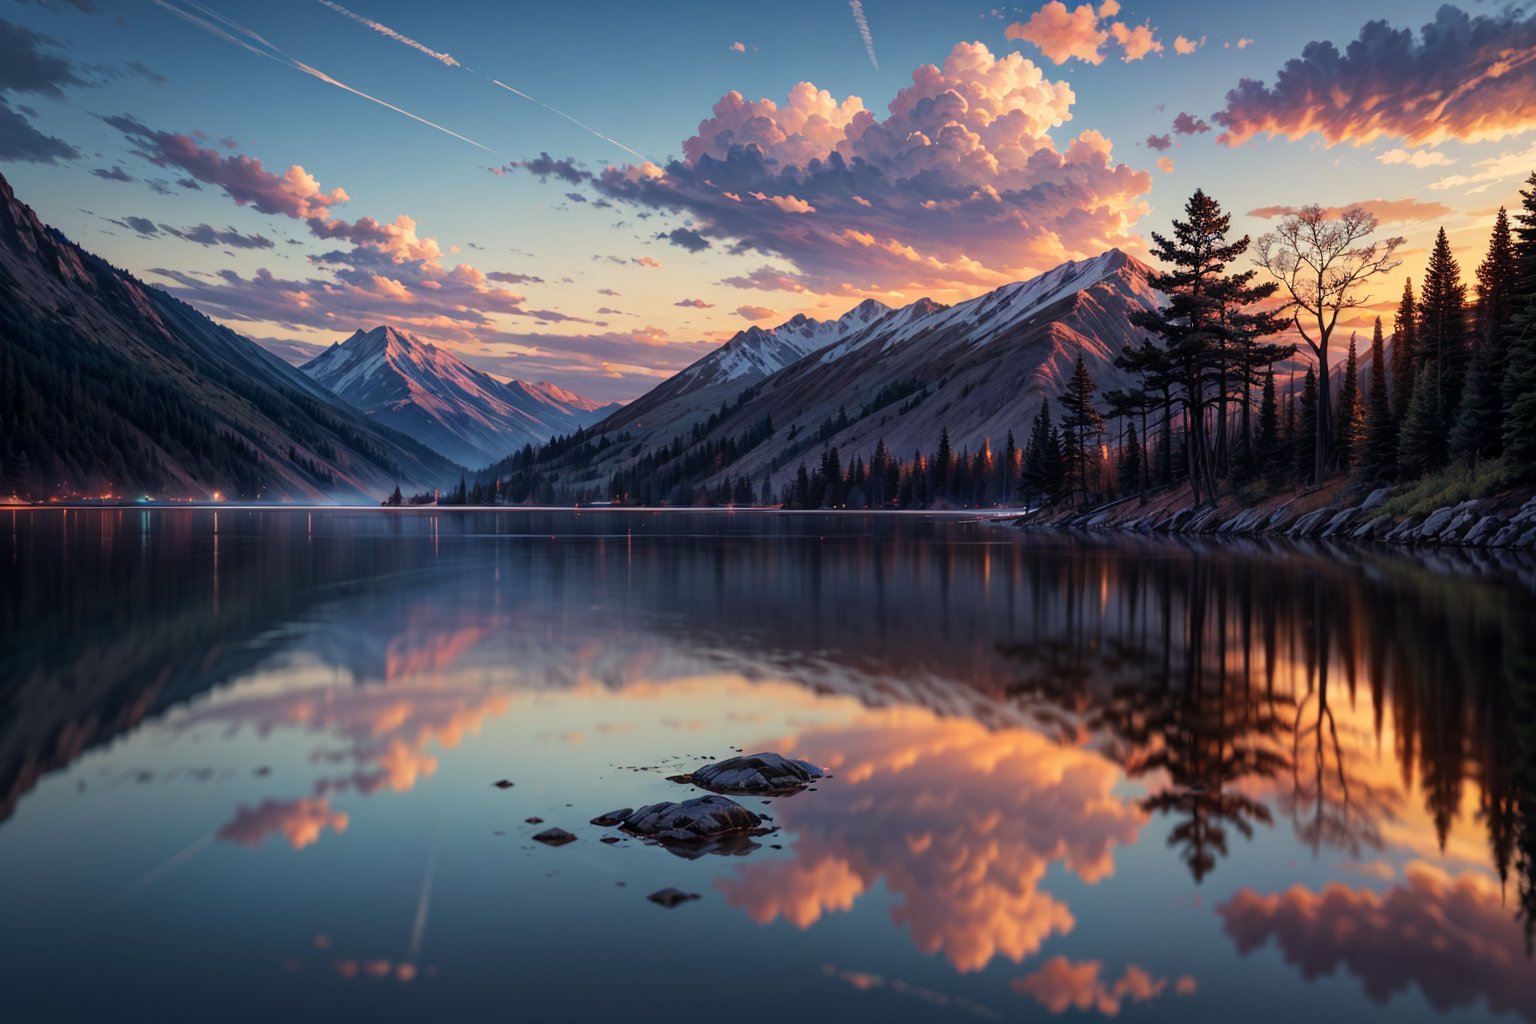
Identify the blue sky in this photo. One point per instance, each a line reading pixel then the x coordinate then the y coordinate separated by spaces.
pixel 646 76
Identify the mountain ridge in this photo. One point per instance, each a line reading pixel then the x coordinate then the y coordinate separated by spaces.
pixel 429 393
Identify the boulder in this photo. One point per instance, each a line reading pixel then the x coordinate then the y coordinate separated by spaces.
pixel 1438 520
pixel 1507 536
pixel 755 773
pixel 612 818
pixel 692 821
pixel 1483 531
pixel 1339 522
pixel 1281 517
pixel 1376 499
pixel 1310 523
pixel 1459 522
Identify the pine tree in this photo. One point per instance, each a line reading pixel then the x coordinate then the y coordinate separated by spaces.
pixel 1421 442
pixel 1271 457
pixel 1379 458
pixel 1403 346
pixel 943 465
pixel 1304 439
pixel 1349 419
pixel 1520 375
pixel 1442 339
pixel 1479 429
pixel 1130 464
pixel 1041 470
pixel 1080 427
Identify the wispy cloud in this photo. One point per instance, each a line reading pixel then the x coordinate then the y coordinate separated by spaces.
pixel 399 37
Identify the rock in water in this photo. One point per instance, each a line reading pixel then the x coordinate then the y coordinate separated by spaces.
pixel 671 897
pixel 755 773
pixel 554 837
pixel 692 821
pixel 613 817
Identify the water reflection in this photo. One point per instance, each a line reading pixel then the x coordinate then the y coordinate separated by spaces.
pixel 1339 745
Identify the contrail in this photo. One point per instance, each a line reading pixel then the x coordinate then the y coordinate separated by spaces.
pixel 857 7
pixel 569 118
pixel 398 37
pixel 274 53
pixel 175 860
pixel 419 925
pixel 449 60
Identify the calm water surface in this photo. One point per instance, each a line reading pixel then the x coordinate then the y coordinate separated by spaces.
pixel 247 763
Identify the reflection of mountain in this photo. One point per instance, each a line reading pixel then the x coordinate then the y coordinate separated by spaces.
pixel 1243 687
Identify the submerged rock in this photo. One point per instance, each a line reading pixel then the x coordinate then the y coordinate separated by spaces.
pixel 692 821
pixel 671 897
pixel 554 837
pixel 754 773
pixel 503 784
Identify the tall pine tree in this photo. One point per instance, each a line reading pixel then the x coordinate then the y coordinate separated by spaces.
pixel 1442 340
pixel 1348 420
pixel 1520 376
pixel 1479 430
pixel 1379 458
pixel 1403 352
pixel 1081 425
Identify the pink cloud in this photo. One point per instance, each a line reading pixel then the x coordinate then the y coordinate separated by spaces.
pixel 1462 77
pixel 1451 936
pixel 300 822
pixel 1081 33
pixel 755 312
pixel 959 186
pixel 694 304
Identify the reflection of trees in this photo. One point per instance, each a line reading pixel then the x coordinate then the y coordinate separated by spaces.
pixel 1213 675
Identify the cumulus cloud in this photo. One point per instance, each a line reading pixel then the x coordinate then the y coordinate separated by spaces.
pixel 1386 211
pixel 685 238
pixel 1061 985
pixel 1165 164
pixel 1451 936
pixel 738 47
pixel 1186 124
pixel 141 225
pixel 694 304
pixel 958 822
pixel 1184 47
pixel 959 186
pixel 1160 142
pixel 1462 77
pixel 1082 32
pixel 755 312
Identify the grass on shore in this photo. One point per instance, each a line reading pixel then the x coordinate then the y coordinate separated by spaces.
pixel 1451 486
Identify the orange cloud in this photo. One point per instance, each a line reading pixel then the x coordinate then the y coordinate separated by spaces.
pixel 959 822
pixel 1060 985
pixel 1080 33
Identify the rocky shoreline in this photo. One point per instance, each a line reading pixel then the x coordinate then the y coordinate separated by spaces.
pixel 1477 522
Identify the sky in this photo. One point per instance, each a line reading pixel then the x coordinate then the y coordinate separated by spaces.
pixel 598 194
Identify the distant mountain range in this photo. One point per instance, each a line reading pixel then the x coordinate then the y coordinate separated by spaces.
pixel 978 369
pixel 431 395
pixel 108 385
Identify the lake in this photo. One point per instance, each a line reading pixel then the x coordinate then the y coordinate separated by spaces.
pixel 248 767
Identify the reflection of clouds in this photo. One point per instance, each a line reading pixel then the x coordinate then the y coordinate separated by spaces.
pixel 1060 984
pixel 960 822
pixel 301 822
pixel 1450 934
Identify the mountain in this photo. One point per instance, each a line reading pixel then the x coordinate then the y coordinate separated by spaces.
pixel 108 385
pixel 430 394
pixel 977 369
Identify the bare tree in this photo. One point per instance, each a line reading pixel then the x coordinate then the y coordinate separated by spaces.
pixel 1323 261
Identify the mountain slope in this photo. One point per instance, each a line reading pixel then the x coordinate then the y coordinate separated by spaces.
pixel 110 386
pixel 977 369
pixel 430 394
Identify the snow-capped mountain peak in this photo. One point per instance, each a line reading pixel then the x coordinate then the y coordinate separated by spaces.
pixel 431 394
